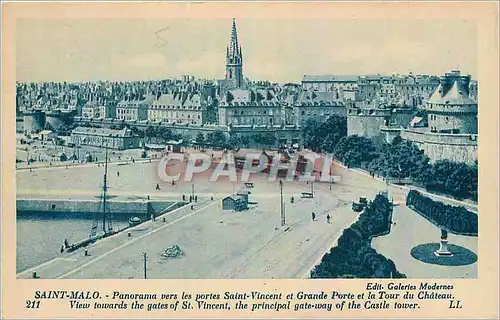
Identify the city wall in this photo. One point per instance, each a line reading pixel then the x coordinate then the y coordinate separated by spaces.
pixel 86 208
pixel 366 125
pixel 440 146
pixel 288 135
pixel 183 129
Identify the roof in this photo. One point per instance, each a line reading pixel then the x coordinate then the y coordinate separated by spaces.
pixel 46 132
pixel 454 96
pixel 329 78
pixel 173 142
pixel 251 97
pixel 233 197
pixel 125 132
pixel 319 98
pixel 416 120
pixel 154 146
pixel 179 99
pixel 148 100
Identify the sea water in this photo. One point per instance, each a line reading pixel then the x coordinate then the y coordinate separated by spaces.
pixel 40 236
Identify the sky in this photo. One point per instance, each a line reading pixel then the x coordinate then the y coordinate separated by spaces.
pixel 277 50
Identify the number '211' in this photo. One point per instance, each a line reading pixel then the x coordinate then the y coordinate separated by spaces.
pixel 32 304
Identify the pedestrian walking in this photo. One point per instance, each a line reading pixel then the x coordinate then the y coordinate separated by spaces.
pixel 118 173
pixel 195 198
pixel 183 197
pixel 328 218
pixel 313 216
pixel 157 186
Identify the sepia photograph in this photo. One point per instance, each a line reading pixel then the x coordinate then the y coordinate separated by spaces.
pixel 250 145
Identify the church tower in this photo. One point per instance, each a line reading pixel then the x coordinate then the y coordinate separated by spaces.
pixel 234 61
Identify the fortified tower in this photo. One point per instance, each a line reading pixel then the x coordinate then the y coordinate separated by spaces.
pixel 450 109
pixel 234 61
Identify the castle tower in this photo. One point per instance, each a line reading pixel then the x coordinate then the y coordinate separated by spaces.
pixel 450 109
pixel 234 61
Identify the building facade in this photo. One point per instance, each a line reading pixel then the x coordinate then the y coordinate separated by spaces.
pixel 102 137
pixel 329 83
pixel 450 109
pixel 251 107
pixel 134 109
pixel 99 110
pixel 180 108
pixel 316 105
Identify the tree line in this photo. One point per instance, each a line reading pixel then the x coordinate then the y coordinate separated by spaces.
pixel 453 219
pixel 353 257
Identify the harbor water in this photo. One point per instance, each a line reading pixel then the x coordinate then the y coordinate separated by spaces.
pixel 40 236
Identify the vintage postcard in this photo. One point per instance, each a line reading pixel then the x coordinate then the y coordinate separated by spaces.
pixel 250 160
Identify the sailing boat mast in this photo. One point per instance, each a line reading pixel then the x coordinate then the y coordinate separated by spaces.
pixel 104 190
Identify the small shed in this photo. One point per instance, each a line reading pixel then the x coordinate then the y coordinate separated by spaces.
pixel 235 202
pixel 46 135
pixel 63 157
pixel 174 146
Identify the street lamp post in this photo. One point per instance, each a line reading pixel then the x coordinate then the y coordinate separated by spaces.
pixel 282 208
pixel 145 260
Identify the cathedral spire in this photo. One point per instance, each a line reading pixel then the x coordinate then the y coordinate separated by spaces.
pixel 234 60
pixel 233 44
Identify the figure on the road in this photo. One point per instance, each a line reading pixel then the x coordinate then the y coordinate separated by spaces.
pixel 328 218
pixel 183 197
pixel 117 173
pixel 157 186
pixel 313 216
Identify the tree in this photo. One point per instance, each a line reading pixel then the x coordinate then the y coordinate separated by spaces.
pixel 150 132
pixel 216 139
pixel 355 151
pixel 164 133
pixel 267 139
pixel 322 134
pixel 200 138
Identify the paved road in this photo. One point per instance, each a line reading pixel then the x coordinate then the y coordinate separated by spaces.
pixel 218 244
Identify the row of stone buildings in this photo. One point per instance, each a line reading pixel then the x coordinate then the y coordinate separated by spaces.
pixel 438 113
